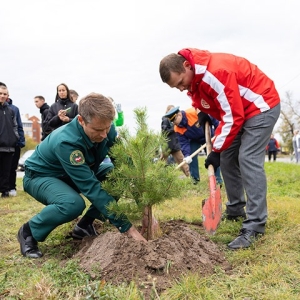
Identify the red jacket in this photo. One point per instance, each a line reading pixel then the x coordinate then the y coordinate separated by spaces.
pixel 230 89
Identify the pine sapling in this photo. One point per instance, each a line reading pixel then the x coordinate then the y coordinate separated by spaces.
pixel 139 179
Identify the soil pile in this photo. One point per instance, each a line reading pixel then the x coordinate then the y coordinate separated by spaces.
pixel 182 248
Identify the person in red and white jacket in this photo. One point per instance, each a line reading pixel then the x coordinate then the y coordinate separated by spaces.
pixel 245 101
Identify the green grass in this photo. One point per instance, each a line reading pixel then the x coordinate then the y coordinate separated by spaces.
pixel 270 269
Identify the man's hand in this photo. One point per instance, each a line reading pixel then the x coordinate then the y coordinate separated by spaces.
pixel 213 159
pixel 133 232
pixel 187 160
pixel 119 107
pixel 203 118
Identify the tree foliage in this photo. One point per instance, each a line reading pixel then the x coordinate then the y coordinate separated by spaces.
pixel 290 119
pixel 138 178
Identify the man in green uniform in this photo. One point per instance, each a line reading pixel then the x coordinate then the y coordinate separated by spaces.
pixel 67 164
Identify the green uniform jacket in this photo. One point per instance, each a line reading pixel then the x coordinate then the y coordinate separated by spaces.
pixel 68 151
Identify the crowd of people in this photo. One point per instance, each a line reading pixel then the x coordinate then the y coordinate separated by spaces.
pixel 61 112
pixel 233 95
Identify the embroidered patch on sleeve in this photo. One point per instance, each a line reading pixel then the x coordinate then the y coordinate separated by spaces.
pixel 77 158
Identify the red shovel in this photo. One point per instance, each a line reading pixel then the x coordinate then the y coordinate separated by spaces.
pixel 211 207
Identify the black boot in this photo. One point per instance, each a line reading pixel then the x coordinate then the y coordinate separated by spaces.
pixel 245 239
pixel 28 245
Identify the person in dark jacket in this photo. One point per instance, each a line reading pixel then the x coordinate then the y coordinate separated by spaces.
pixel 173 147
pixel 20 144
pixel 62 111
pixel 40 103
pixel 191 137
pixel 8 140
pixel 272 148
pixel 66 165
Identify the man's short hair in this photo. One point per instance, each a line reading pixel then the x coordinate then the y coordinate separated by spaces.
pixel 96 105
pixel 73 92
pixel 171 63
pixel 40 97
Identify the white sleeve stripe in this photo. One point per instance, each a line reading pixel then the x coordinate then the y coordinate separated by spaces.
pixel 213 82
pixel 254 98
pixel 200 69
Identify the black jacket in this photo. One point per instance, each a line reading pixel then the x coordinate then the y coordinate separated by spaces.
pixel 8 129
pixel 44 112
pixel 21 141
pixel 52 121
pixel 167 128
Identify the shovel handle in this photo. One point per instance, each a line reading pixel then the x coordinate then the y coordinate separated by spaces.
pixel 208 138
pixel 192 155
pixel 198 150
pixel 211 171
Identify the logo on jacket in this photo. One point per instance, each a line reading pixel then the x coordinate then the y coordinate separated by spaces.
pixel 77 158
pixel 204 104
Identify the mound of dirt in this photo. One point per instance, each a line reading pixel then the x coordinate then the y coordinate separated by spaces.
pixel 182 248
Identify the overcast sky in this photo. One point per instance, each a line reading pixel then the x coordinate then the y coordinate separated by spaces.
pixel 114 47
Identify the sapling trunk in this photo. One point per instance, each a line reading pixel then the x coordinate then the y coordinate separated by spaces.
pixel 150 229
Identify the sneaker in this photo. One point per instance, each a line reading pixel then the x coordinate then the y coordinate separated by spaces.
pixel 225 216
pixel 80 233
pixel 12 193
pixel 5 195
pixel 245 239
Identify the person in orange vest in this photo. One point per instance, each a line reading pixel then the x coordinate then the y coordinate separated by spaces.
pixel 173 146
pixel 191 137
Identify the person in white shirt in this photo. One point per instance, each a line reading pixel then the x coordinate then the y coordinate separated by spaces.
pixel 296 145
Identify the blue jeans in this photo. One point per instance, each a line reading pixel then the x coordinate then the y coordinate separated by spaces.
pixel 194 165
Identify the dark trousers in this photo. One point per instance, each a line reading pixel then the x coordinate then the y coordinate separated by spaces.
pixel 194 165
pixel 274 153
pixel 62 201
pixel 14 168
pixel 5 165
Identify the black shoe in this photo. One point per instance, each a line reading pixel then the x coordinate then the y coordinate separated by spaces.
pixel 80 233
pixel 5 195
pixel 244 240
pixel 225 216
pixel 29 246
pixel 195 181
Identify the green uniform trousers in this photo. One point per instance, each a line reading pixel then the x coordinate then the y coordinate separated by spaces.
pixel 62 200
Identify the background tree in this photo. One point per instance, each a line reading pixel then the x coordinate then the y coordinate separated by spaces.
pixel 290 120
pixel 139 179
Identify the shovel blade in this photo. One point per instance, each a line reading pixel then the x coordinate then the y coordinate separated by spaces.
pixel 212 208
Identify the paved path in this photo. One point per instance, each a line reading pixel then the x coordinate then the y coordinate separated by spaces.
pixel 20 174
pixel 286 159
